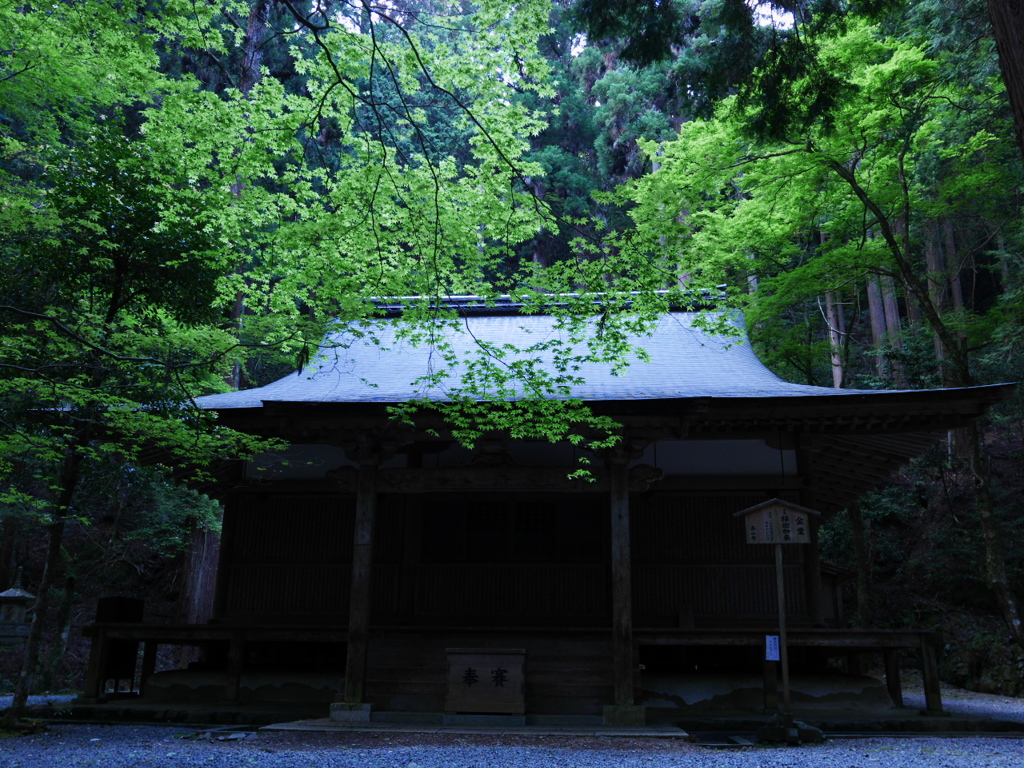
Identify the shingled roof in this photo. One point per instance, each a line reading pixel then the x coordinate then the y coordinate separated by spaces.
pixel 685 362
pixel 695 384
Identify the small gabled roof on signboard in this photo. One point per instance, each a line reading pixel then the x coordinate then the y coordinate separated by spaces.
pixel 789 505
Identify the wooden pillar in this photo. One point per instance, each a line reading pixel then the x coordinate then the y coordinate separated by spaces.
pixel 780 589
pixel 862 553
pixel 412 532
pixel 930 677
pixel 813 589
pixel 359 598
pixel 233 683
pixel 771 686
pixel 812 577
pixel 622 589
pixel 149 649
pixel 93 688
pixel 893 684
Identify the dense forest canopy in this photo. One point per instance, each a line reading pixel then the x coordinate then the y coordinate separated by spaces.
pixel 191 192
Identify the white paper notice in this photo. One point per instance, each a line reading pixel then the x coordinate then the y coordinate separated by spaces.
pixel 771 647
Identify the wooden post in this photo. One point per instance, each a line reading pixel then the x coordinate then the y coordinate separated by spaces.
pixel 862 555
pixel 814 591
pixel 780 584
pixel 359 600
pixel 812 577
pixel 771 686
pixel 93 688
pixel 622 590
pixel 233 684
pixel 149 648
pixel 780 522
pixel 412 532
pixel 930 678
pixel 892 675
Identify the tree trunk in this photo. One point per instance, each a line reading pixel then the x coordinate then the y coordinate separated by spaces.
pixel 252 61
pixel 914 314
pixel 1008 30
pixel 8 540
pixel 835 338
pixel 935 265
pixel 198 584
pixel 958 437
pixel 859 531
pixel 959 371
pixel 995 556
pixel 876 310
pixel 48 678
pixel 953 265
pixel 252 48
pixel 541 255
pixel 26 676
pixel 70 472
pixel 1004 264
pixel 893 329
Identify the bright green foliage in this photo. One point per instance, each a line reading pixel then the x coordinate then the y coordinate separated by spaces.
pixel 823 211
pixel 647 29
pixel 388 206
pixel 167 213
pixel 110 319
pixel 769 54
pixel 167 207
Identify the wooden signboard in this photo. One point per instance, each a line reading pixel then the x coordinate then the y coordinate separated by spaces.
pixel 486 681
pixel 777 522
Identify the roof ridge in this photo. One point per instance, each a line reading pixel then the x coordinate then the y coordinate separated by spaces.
pixel 504 304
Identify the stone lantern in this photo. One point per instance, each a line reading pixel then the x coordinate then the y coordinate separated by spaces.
pixel 14 604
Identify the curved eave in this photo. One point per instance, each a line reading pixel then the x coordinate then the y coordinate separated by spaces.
pixel 844 468
pixel 851 442
pixel 881 412
pixel 861 413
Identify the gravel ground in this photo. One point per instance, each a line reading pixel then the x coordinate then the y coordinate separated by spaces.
pixel 49 698
pixel 958 701
pixel 144 746
pixel 120 746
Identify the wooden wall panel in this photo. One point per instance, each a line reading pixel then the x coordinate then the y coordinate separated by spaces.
pixel 726 592
pixel 691 558
pixel 266 590
pixel 292 556
pixel 302 529
pixel 305 591
pixel 385 592
pixel 677 528
pixel 511 590
pixel 388 534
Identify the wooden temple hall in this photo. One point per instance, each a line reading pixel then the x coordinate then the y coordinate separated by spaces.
pixel 382 569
